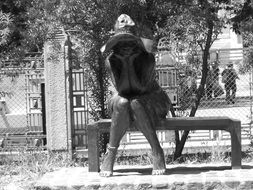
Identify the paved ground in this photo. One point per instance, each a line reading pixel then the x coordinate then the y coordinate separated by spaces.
pixel 183 177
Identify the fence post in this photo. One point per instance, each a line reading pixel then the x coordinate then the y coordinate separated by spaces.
pixel 57 96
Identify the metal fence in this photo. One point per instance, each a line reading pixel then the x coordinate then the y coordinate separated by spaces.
pixel 22 98
pixel 228 92
pixel 80 107
pixel 35 102
pixel 13 99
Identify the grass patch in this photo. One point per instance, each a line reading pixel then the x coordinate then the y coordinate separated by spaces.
pixel 215 155
pixel 22 169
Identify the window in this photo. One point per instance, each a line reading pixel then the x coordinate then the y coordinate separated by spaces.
pixel 167 78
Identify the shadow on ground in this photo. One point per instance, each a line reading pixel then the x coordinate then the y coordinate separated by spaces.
pixel 186 170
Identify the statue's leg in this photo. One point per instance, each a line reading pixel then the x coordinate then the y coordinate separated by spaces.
pixel 144 124
pixel 120 123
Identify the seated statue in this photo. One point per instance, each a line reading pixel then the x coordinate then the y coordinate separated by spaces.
pixel 139 101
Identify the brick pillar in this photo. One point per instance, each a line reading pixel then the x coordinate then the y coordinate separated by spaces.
pixel 57 99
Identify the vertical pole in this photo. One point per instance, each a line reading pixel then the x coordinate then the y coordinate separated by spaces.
pixel 250 90
pixel 86 110
pixel 236 154
pixel 69 92
pixel 217 55
pixel 93 150
pixel 43 110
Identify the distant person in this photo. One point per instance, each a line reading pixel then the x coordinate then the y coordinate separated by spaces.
pixel 191 82
pixel 229 77
pixel 209 83
pixel 216 71
pixel 3 107
pixel 217 89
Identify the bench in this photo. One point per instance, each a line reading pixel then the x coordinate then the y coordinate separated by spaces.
pixel 187 123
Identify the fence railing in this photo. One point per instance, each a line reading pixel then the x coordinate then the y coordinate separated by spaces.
pixel 22 95
pixel 228 92
pixel 80 107
pixel 21 104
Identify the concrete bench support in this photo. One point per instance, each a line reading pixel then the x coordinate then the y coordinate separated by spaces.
pixel 190 123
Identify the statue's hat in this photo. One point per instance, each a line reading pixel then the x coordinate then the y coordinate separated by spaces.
pixel 123 32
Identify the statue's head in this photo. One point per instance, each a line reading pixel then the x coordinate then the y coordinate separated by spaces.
pixel 124 25
pixel 124 38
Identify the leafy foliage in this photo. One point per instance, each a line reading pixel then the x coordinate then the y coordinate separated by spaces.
pixel 5 23
pixel 243 24
pixel 189 26
pixel 16 10
pixel 204 21
pixel 242 21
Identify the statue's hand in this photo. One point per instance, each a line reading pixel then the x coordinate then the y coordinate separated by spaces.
pixel 120 57
pixel 133 56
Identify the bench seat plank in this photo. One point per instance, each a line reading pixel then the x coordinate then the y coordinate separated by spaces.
pixel 180 123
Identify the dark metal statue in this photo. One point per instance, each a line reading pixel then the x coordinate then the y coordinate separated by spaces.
pixel 139 102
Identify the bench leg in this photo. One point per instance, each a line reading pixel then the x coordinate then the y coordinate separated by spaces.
pixel 93 150
pixel 236 154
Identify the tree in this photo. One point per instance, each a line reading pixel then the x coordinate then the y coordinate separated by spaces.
pixel 89 24
pixel 203 26
pixel 83 21
pixel 91 21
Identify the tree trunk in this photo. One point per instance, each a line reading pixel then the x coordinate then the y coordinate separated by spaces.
pixel 180 145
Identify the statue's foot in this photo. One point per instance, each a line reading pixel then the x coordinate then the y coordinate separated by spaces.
pixel 158 172
pixel 106 173
pixel 108 162
pixel 159 167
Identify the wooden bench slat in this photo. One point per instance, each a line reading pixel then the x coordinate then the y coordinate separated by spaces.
pixel 188 123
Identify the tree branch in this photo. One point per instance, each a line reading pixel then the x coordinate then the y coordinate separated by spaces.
pixel 200 90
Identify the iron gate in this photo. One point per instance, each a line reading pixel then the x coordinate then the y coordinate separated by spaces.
pixel 80 117
pixel 34 100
